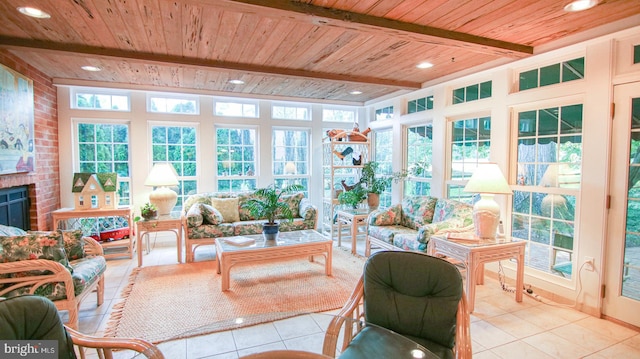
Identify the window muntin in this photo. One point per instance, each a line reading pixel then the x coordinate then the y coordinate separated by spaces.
pixel 290 112
pixel 339 115
pixel 472 92
pixel 89 100
pixel 291 163
pixel 173 104
pixel 236 159
pixel 548 162
pixel 419 140
pixel 385 113
pixel 421 104
pixel 552 74
pixel 470 145
pixel 104 147
pixel 177 145
pixel 236 109
pixel 383 155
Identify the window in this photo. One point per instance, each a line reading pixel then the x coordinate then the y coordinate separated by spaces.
pixel 339 115
pixel 290 112
pixel 291 158
pixel 383 155
pixel 104 147
pixel 421 104
pixel 636 54
pixel 385 113
pixel 470 145
pixel 173 104
pixel 419 141
pixel 472 93
pixel 87 99
pixel 549 156
pixel 177 145
pixel 552 74
pixel 236 108
pixel 236 159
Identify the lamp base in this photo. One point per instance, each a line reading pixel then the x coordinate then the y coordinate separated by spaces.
pixel 486 217
pixel 164 199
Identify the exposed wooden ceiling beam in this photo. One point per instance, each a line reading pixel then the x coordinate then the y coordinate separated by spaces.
pixel 299 11
pixel 50 46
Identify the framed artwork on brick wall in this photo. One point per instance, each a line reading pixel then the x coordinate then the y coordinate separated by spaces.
pixel 17 149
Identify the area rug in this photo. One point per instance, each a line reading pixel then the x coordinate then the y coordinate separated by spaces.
pixel 177 301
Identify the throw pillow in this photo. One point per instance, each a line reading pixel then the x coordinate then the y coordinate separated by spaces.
pixel 293 202
pixel 11 231
pixel 228 207
pixel 34 246
pixel 194 216
pixel 73 243
pixel 210 215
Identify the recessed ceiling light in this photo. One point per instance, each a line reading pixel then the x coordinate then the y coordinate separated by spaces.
pixel 424 65
pixel 33 12
pixel 91 68
pixel 355 92
pixel 236 82
pixel 580 5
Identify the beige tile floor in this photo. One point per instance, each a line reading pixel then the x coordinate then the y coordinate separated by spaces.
pixel 500 327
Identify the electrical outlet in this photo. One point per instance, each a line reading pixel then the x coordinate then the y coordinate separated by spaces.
pixel 589 264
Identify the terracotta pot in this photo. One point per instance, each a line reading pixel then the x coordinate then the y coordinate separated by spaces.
pixel 373 200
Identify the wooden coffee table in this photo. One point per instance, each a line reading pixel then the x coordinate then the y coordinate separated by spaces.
pixel 294 244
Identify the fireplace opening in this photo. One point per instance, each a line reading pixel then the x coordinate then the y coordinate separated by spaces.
pixel 14 207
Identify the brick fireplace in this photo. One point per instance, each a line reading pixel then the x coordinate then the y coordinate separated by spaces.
pixel 43 183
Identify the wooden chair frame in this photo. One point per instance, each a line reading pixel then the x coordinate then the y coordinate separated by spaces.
pixel 106 346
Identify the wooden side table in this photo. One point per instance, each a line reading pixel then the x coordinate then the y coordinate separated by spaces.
pixel 354 217
pixel 167 223
pixel 124 212
pixel 475 254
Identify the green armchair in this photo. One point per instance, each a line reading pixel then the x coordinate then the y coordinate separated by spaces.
pixel 409 293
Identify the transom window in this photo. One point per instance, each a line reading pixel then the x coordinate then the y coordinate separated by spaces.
pixel 553 74
pixel 472 92
pixel 419 141
pixel 229 108
pixel 177 145
pixel 549 157
pixel 290 112
pixel 339 115
pixel 291 158
pixel 470 145
pixel 236 159
pixel 87 99
pixel 421 104
pixel 173 104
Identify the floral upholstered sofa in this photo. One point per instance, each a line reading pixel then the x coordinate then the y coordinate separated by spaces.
pixel 63 266
pixel 409 225
pixel 220 214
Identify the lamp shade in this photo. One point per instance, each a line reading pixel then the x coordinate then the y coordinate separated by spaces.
pixel 162 174
pixel 488 178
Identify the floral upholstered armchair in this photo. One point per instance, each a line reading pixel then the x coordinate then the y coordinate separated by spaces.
pixel 409 225
pixel 63 266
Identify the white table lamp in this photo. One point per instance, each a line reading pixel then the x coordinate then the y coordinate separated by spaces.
pixel 487 180
pixel 162 176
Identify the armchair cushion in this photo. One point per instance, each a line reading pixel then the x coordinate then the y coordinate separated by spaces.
pixel 47 245
pixel 73 243
pixel 417 211
pixel 386 217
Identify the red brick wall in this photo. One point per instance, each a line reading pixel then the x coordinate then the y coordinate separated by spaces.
pixel 44 182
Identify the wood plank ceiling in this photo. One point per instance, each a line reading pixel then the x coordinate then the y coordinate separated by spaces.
pixel 308 50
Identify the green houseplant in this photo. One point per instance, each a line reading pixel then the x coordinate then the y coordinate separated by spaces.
pixel 375 185
pixel 148 211
pixel 354 196
pixel 266 204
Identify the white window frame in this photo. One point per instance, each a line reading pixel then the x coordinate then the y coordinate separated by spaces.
pixel 352 109
pixel 155 95
pixel 243 177
pixel 291 106
pixel 285 178
pixel 76 91
pixel 236 101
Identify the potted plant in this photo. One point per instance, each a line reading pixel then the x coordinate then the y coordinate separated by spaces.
pixel 266 204
pixel 353 196
pixel 149 211
pixel 375 185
